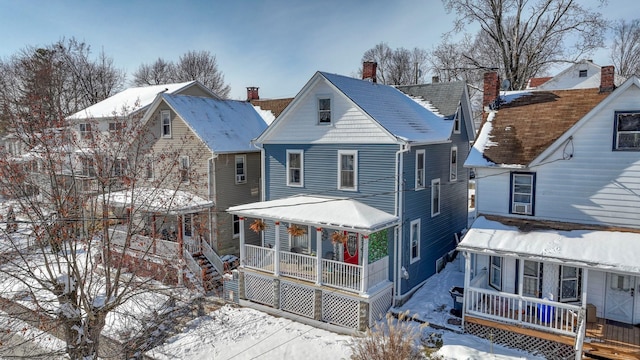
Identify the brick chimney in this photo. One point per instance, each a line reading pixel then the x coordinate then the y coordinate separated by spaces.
pixel 369 70
pixel 607 76
pixel 491 88
pixel 252 93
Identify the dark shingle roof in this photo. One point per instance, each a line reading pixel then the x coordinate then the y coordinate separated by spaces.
pixel 276 106
pixel 445 96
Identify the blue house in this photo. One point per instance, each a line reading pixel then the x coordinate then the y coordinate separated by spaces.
pixel 363 197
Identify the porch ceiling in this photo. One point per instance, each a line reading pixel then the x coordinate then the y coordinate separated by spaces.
pixel 166 201
pixel 583 245
pixel 319 211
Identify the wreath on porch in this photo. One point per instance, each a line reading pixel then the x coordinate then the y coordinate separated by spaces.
pixel 295 230
pixel 258 225
pixel 338 237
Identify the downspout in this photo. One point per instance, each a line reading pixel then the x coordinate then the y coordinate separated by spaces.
pixel 212 197
pixel 399 185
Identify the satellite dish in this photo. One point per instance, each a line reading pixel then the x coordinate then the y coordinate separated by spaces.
pixel 506 85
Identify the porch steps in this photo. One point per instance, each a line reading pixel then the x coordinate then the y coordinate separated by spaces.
pixel 211 279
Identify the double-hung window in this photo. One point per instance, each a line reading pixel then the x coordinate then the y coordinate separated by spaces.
pixel 569 283
pixel 522 193
pixel 115 126
pixel 435 197
pixel 495 272
pixel 420 175
pixel 453 164
pixel 88 167
pixel 531 278
pixel 324 110
pixel 295 168
pixel 241 170
pixel 347 170
pixel 119 167
pixel 165 123
pixel 236 225
pixel 456 122
pixel 85 130
pixel 627 131
pixel 415 240
pixel 184 169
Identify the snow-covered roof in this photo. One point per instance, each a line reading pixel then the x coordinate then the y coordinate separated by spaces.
pixel 169 201
pixel 338 213
pixel 398 113
pixel 128 101
pixel 585 246
pixel 225 126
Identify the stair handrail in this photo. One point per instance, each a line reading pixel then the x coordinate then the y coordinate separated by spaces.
pixel 193 266
pixel 213 258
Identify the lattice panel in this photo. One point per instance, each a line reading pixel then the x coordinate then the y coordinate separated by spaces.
pixel 259 289
pixel 551 350
pixel 379 306
pixel 231 290
pixel 340 310
pixel 297 299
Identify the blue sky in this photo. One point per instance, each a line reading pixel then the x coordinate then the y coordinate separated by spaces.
pixel 276 45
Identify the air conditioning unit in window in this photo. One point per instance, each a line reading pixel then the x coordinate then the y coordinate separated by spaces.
pixel 239 178
pixel 522 208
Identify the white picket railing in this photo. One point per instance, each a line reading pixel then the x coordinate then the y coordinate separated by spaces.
pixel 299 266
pixel 536 313
pixel 258 257
pixel 213 258
pixel 191 244
pixel 341 275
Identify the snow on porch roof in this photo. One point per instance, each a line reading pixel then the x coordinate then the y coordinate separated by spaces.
pixel 166 201
pixel 340 213
pixel 601 249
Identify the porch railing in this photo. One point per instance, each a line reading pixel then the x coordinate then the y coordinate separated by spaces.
pixel 341 275
pixel 258 257
pixel 191 244
pixel 193 266
pixel 536 313
pixel 298 266
pixel 213 258
pixel 144 244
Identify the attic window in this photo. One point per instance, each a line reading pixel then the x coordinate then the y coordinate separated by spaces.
pixel 582 73
pixel 165 123
pixel 324 111
pixel 627 131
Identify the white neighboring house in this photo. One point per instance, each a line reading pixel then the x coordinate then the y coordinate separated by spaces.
pixel 551 263
pixel 582 75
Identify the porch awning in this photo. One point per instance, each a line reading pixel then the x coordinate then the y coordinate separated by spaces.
pixel 590 247
pixel 166 201
pixel 338 213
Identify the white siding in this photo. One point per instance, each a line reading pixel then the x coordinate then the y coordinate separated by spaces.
pixel 348 123
pixel 595 290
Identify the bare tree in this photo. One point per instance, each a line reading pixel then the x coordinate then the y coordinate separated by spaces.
pixel 528 36
pixel 160 72
pixel 625 52
pixel 399 66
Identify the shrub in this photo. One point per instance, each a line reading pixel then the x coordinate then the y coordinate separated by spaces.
pixel 390 339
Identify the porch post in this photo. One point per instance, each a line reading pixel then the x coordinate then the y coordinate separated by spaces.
pixel 242 255
pixel 180 238
pixel 276 258
pixel 319 256
pixel 364 286
pixel 467 283
pixel 520 287
pixel 585 278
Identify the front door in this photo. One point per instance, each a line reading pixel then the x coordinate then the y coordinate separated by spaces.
pixel 351 248
pixel 619 297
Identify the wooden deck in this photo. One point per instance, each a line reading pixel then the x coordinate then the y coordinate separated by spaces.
pixel 610 340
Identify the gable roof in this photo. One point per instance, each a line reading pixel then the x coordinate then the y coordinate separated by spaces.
pixel 570 78
pixel 132 100
pixel 444 96
pixel 527 124
pixel 225 126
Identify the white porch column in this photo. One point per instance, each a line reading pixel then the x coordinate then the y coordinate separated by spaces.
pixel 319 256
pixel 365 264
pixel 467 283
pixel 585 280
pixel 276 247
pixel 242 254
pixel 520 287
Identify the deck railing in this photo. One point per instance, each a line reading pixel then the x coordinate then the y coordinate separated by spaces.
pixel 341 275
pixel 298 266
pixel 145 244
pixel 536 313
pixel 258 257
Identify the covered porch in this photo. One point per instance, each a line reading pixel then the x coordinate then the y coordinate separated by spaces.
pixel 335 250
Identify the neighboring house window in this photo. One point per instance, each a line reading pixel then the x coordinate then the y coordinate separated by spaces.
pixel 582 73
pixel 420 176
pixel 88 168
pixel 522 192
pixel 119 167
pixel 453 166
pixel 456 123
pixel 324 111
pixel 569 283
pixel 165 121
pixel 435 197
pixel 115 126
pixel 415 240
pixel 85 130
pixel 241 171
pixel 188 225
pixel 347 170
pixel 148 166
pixel 184 169
pixel 236 225
pixel 495 272
pixel 627 131
pixel 531 279
pixel 295 167
pixel 300 243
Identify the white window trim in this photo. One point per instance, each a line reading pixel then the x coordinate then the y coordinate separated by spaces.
pixel 513 194
pixel 324 97
pixel 181 168
pixel 235 219
pixel 354 153
pixel 453 167
pixel 577 287
pixel 120 162
pixel 162 117
pixel 617 132
pixel 239 180
pixel 411 233
pixel 492 269
pixel 435 184
pixel 419 176
pixel 456 122
pixel 301 183
pixel 85 130
pixel 536 277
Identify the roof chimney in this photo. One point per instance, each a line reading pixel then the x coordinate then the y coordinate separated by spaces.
pixel 369 69
pixel 491 88
pixel 252 93
pixel 607 76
